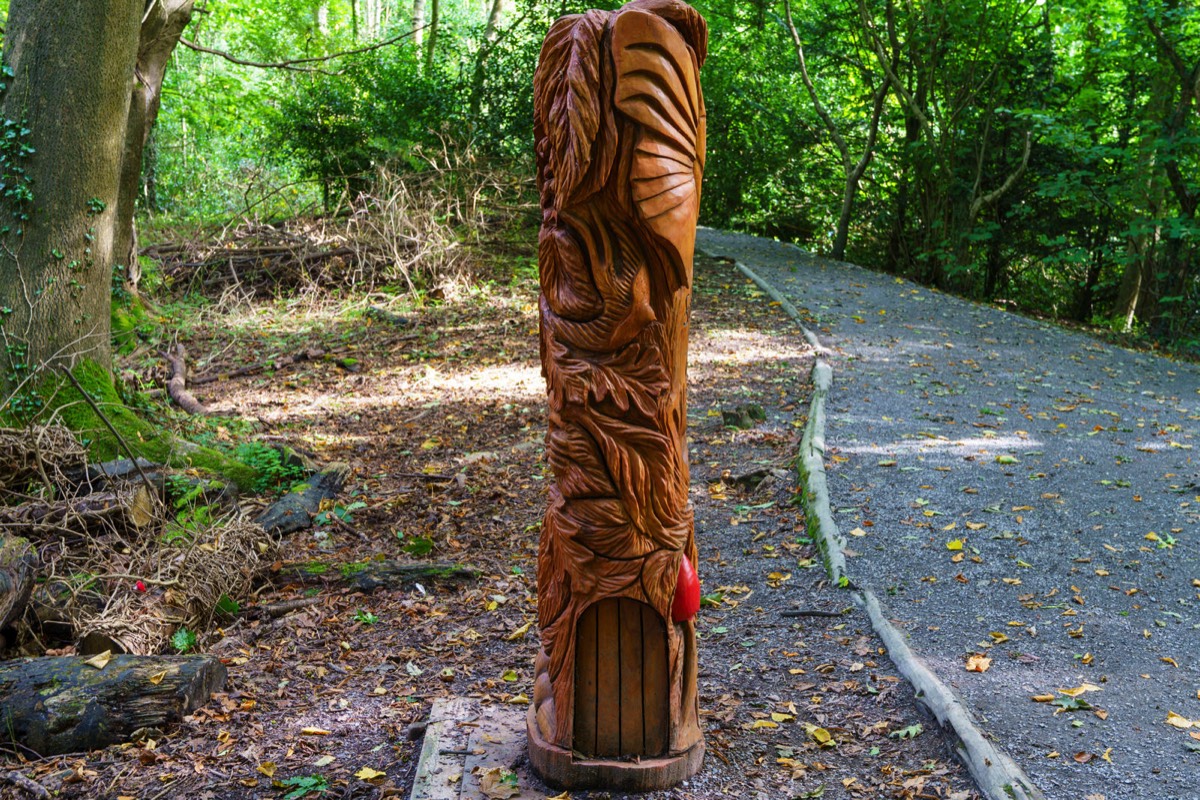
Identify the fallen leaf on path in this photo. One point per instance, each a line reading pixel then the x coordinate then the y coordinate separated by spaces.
pixel 498 783
pixel 368 774
pixel 1177 721
pixel 978 663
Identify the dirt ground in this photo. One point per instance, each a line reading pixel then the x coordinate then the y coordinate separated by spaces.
pixel 441 419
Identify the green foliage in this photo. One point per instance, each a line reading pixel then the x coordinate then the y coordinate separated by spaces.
pixel 365 617
pixel 304 785
pixel 343 512
pixel 1104 201
pixel 183 640
pixel 272 469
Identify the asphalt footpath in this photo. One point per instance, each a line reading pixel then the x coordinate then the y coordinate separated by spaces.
pixel 1024 501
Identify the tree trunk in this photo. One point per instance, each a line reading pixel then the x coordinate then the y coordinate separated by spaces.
pixel 161 28
pixel 66 705
pixel 431 44
pixel 418 22
pixel 490 32
pixel 66 108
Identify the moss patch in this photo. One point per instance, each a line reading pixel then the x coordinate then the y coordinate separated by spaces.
pixel 126 319
pixel 144 439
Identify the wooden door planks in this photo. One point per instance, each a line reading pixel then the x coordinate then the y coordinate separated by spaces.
pixel 656 688
pixel 621 686
pixel 586 659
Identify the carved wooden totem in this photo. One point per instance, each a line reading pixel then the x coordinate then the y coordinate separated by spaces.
pixel 619 127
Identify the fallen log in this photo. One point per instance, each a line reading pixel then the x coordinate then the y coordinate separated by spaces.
pixel 18 566
pixel 131 508
pixel 371 575
pixel 96 477
pixel 66 705
pixel 312 354
pixel 177 383
pixel 296 509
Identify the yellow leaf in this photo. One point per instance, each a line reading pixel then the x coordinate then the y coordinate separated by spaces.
pixel 1170 661
pixel 100 661
pixel 431 443
pixel 976 526
pixel 563 796
pixel 950 527
pixel 858 532
pixel 368 774
pixel 1042 698
pixel 762 723
pixel 1107 755
pixel 1081 689
pixel 1012 581
pixel 267 768
pixel 819 735
pixel 954 544
pixel 1174 720
pixel 157 677
pixel 978 663
pixel 519 632
pixel 1151 537
pixel 998 637
pixel 780 717
pixel 311 731
pixel 518 700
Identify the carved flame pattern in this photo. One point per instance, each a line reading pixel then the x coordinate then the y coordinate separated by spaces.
pixel 619 127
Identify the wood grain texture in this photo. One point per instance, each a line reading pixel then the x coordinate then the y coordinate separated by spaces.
pixel 619 133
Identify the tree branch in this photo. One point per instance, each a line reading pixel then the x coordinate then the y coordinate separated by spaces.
pixel 297 64
pixel 830 125
pixel 986 200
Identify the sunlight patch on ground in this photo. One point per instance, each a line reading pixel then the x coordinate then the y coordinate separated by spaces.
pixel 742 347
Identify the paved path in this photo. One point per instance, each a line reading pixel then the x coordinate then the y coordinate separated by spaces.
pixel 1067 472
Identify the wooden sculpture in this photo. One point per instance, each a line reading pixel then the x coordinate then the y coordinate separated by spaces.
pixel 619 128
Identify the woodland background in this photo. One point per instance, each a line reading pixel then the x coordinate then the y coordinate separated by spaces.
pixel 1039 154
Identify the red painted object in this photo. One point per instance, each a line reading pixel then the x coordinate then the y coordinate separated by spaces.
pixel 140 586
pixel 687 593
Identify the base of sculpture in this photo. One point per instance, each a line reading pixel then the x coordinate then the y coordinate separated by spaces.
pixel 562 770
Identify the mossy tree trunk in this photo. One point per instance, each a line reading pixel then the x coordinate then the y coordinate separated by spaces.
pixel 69 73
pixel 160 31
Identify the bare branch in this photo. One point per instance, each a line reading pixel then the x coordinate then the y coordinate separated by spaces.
pixel 298 64
pixel 830 125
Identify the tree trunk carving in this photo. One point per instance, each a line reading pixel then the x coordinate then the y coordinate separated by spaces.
pixel 619 129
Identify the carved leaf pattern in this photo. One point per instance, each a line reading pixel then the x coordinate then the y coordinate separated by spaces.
pixel 578 468
pixel 658 579
pixel 568 109
pixel 639 463
pixel 633 376
pixel 565 278
pixel 658 86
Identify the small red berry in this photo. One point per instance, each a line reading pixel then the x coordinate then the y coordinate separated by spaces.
pixel 141 587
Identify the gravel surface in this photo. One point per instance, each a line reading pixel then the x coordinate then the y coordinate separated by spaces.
pixel 1026 494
